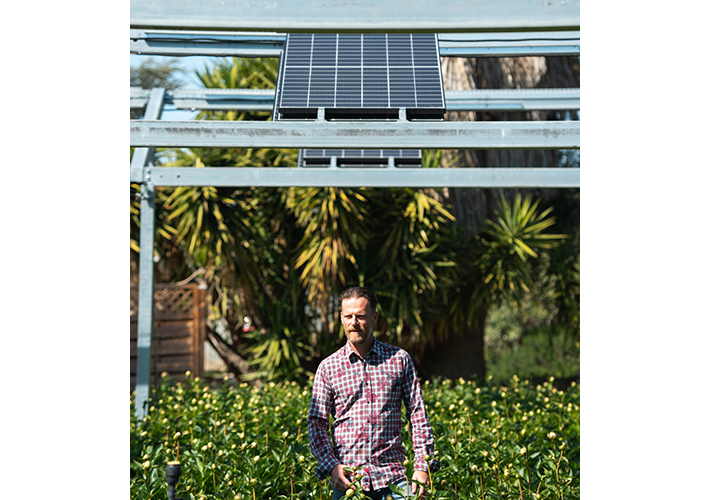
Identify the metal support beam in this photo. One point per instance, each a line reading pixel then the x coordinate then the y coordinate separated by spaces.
pixel 206 43
pixel 356 135
pixel 145 298
pixel 225 99
pixel 512 100
pixel 549 43
pixel 357 16
pixel 456 100
pixel 245 44
pixel 384 177
pixel 144 155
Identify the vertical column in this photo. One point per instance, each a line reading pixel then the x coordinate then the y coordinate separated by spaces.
pixel 142 157
pixel 145 298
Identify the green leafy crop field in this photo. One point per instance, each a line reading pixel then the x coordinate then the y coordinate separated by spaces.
pixel 514 441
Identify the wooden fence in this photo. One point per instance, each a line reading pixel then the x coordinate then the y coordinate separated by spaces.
pixel 178 331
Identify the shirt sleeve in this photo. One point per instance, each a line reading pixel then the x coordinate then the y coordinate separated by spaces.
pixel 422 434
pixel 320 409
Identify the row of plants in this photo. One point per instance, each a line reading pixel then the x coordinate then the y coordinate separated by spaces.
pixel 240 441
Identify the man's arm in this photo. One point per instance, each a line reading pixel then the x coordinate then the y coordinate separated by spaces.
pixel 422 434
pixel 318 413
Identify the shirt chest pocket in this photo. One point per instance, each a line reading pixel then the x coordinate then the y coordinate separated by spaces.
pixel 386 387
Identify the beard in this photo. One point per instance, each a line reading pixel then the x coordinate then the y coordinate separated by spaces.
pixel 358 336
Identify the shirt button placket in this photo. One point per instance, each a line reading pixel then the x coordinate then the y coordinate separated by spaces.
pixel 368 395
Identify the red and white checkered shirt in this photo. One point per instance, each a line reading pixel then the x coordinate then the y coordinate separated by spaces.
pixel 365 397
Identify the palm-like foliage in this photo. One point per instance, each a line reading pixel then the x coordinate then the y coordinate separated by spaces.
pixel 512 238
pixel 333 224
pixel 412 257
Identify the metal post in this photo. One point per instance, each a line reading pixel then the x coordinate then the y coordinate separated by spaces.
pixel 142 157
pixel 145 298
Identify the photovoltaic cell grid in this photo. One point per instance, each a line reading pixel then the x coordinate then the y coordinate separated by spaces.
pixel 357 157
pixel 361 75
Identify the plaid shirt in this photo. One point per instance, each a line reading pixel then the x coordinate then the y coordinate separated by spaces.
pixel 365 396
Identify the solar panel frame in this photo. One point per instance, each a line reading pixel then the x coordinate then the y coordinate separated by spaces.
pixel 360 76
pixel 359 157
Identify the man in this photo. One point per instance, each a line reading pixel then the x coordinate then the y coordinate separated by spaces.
pixel 362 385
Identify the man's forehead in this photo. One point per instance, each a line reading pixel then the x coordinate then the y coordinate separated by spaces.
pixel 354 306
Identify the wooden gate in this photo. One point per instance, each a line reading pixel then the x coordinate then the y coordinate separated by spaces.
pixel 178 331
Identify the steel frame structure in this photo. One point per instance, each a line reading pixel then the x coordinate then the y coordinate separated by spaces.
pixel 456 100
pixel 361 16
pixel 245 44
pixel 520 28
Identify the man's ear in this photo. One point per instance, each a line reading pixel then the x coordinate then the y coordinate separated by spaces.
pixel 375 316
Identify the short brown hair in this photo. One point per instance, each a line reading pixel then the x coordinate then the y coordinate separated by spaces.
pixel 357 292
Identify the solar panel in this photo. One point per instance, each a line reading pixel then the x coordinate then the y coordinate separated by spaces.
pixel 360 76
pixel 360 157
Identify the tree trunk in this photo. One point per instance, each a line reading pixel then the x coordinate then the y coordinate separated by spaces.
pixel 462 355
pixel 234 361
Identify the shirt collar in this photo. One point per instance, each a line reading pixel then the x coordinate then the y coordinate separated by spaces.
pixel 376 349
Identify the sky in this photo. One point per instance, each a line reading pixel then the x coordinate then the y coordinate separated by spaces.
pixel 186 63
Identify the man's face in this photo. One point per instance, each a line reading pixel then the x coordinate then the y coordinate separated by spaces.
pixel 358 319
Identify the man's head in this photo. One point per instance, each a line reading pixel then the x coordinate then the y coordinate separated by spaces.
pixel 358 313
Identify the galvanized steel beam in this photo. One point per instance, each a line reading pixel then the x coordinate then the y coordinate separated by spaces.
pixel 549 43
pixel 361 16
pixel 245 44
pixel 206 43
pixel 139 97
pixel 512 100
pixel 224 99
pixel 384 177
pixel 145 299
pixel 357 135
pixel 456 100
pixel 144 155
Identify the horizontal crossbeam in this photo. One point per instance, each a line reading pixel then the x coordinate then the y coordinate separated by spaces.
pixel 512 100
pixel 456 100
pixel 357 16
pixel 385 177
pixel 356 135
pixel 244 44
pixel 549 43
pixel 206 43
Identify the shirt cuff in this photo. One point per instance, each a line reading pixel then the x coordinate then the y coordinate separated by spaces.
pixel 421 464
pixel 323 469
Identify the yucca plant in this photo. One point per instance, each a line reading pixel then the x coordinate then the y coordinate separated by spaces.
pixel 510 240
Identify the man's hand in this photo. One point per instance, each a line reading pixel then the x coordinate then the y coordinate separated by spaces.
pixel 422 477
pixel 340 481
